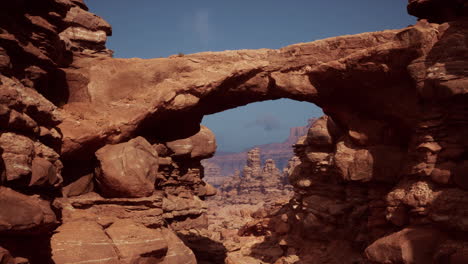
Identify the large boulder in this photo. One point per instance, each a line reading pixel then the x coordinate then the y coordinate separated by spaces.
pixel 127 169
pixel 77 16
pixel 24 214
pixel 123 242
pixel 137 243
pixel 82 242
pixel 18 153
pixel 202 145
pixel 412 245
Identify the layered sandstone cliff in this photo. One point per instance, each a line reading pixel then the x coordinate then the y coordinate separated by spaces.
pixel 99 155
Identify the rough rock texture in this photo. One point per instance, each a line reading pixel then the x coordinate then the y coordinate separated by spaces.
pixel 411 245
pixel 213 173
pixel 22 213
pixel 116 230
pixel 255 182
pixel 384 168
pixel 128 169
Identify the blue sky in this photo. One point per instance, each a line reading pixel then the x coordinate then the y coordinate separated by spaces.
pixel 154 28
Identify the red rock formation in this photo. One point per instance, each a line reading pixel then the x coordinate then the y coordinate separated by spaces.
pixel 383 169
pixel 279 152
pixel 256 183
pixel 212 173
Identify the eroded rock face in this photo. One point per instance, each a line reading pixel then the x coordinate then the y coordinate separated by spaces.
pixel 438 11
pixel 256 181
pixel 383 169
pixel 411 245
pixel 23 214
pixel 127 169
pixel 202 145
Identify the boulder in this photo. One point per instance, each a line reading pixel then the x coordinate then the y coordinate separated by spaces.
pixel 77 16
pixel 412 245
pixel 43 173
pixel 137 243
pixel 82 242
pixel 202 145
pixel 5 257
pixel 177 252
pixel 128 169
pixel 18 153
pixel 24 214
pixel 319 133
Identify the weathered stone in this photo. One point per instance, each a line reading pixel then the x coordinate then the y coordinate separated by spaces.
pixel 136 243
pixel 43 173
pixel 127 169
pixel 81 34
pixel 412 245
pixel 18 152
pixel 80 241
pixel 202 145
pixel 22 213
pixel 438 11
pixel 76 16
pixel 177 252
pixel 81 186
pixel 443 172
pixel 379 163
pixel 397 99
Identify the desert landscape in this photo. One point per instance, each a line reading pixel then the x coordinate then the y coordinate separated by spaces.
pixel 101 157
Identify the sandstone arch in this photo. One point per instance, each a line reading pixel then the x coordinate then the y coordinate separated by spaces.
pixel 353 73
pixel 394 134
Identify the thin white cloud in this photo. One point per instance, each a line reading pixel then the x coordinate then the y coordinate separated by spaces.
pixel 203 27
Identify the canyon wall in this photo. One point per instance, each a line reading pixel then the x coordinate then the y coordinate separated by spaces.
pixel 101 157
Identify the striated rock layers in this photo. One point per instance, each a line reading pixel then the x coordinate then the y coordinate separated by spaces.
pixel 99 155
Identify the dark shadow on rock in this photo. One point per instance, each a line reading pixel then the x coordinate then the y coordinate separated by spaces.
pixel 451 53
pixel 2 168
pixel 206 250
pixel 36 248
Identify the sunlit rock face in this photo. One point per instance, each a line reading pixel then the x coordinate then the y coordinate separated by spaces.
pixel 384 169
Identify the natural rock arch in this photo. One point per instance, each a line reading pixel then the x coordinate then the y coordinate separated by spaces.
pixel 365 73
pixel 370 86
pixel 393 135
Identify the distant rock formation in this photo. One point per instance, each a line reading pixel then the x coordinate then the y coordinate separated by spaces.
pixel 212 173
pixel 255 182
pixel 279 152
